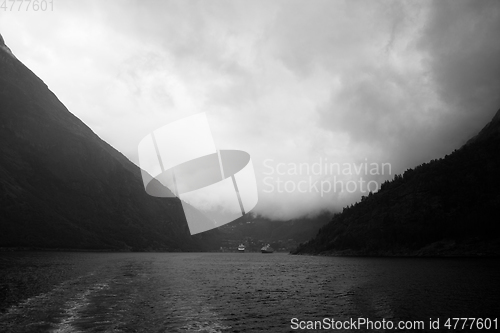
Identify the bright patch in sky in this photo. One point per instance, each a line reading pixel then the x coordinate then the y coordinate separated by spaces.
pixel 398 82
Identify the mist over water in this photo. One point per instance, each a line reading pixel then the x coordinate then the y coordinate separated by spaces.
pixel 233 292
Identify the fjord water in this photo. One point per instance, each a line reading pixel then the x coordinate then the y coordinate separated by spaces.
pixel 233 292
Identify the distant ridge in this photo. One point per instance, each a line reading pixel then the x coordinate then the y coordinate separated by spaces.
pixel 447 207
pixel 61 186
pixel 490 131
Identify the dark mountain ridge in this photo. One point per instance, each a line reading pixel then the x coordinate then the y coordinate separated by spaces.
pixel 255 231
pixel 61 186
pixel 447 207
pixel 491 131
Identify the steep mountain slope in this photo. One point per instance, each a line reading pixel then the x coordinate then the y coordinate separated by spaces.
pixel 448 206
pixel 61 186
pixel 490 132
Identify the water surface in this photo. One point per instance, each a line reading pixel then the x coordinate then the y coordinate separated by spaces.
pixel 233 292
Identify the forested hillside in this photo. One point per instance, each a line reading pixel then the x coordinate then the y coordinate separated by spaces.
pixel 448 206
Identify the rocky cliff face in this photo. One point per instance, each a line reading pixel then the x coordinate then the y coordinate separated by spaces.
pixel 447 207
pixel 61 186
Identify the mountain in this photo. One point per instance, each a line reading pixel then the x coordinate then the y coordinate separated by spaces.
pixel 61 186
pixel 255 231
pixel 490 132
pixel 447 207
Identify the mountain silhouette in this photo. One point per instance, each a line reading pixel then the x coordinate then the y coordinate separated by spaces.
pixel 490 132
pixel 447 207
pixel 61 186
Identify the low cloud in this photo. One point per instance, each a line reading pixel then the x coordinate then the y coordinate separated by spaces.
pixel 397 82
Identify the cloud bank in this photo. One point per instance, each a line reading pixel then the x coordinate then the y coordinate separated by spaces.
pixel 290 82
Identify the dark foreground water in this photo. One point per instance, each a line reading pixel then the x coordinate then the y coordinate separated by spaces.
pixel 236 292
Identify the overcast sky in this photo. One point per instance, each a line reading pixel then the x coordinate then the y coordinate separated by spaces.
pixel 399 82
